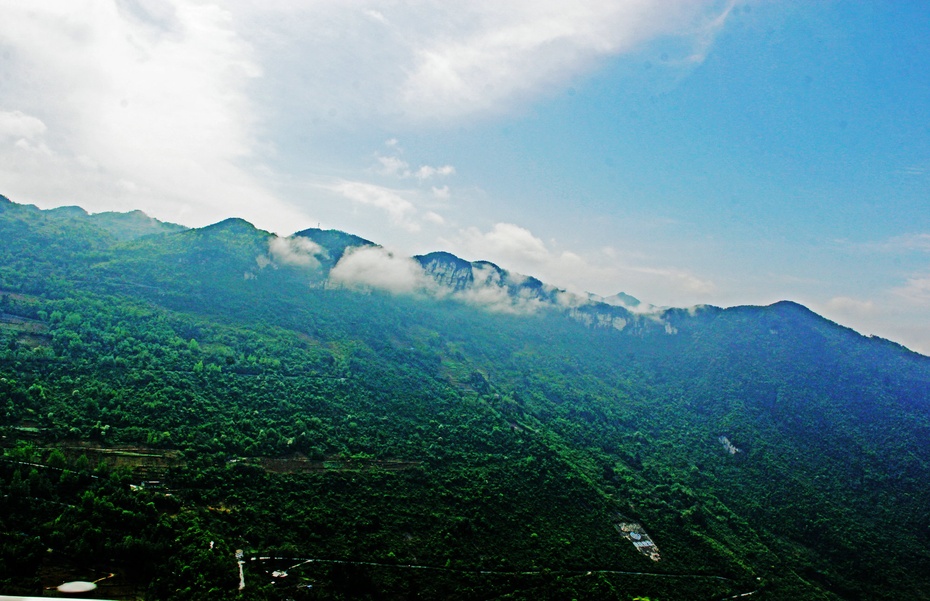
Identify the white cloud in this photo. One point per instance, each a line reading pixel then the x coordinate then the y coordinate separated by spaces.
pixel 376 267
pixel 18 125
pixel 434 217
pixel 376 16
pixel 681 279
pixel 22 139
pixel 400 210
pixel 394 166
pixel 432 61
pixel 140 104
pixel 295 250
pixel 426 171
pixel 915 290
pixel 912 170
pixel 507 293
pixel 516 248
pixel 851 305
pixel 498 53
pixel 898 313
pixel 505 242
pixel 911 242
pixel 918 242
pixel 497 300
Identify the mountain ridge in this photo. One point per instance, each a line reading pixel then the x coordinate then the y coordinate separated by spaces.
pixel 385 411
pixel 337 242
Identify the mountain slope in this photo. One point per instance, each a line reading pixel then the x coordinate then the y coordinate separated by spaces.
pixel 494 429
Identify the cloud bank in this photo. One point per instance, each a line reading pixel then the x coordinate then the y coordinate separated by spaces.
pixel 376 268
pixel 479 284
pixel 401 211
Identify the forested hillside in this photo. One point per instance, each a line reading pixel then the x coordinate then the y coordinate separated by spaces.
pixel 431 428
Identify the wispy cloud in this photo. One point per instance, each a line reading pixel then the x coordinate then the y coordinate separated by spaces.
pixel 425 172
pixel 910 242
pixel 515 247
pixel 433 217
pixel 18 126
pixel 393 165
pixel 846 306
pixel 919 242
pixel 898 313
pixel 913 170
pixel 916 290
pixel 500 53
pixel 424 61
pixel 396 167
pixel 401 211
pixel 506 242
pixel 408 208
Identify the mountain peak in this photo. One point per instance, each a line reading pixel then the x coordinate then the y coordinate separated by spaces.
pixel 230 223
pixel 335 242
pixel 624 299
pixel 70 211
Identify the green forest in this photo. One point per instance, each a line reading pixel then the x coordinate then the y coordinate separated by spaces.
pixel 177 405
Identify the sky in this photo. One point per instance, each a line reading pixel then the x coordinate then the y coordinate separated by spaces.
pixel 693 152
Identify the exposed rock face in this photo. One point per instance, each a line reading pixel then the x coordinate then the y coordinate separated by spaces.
pixel 460 275
pixel 486 283
pixel 448 270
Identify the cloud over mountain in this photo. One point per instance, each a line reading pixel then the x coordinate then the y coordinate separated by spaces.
pixel 519 248
pixel 295 250
pixel 378 268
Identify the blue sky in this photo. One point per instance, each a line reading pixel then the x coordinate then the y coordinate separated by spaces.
pixel 683 152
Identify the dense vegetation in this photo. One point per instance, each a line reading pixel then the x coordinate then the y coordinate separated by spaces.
pixel 371 432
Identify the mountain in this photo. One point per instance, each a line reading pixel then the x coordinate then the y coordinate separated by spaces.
pixel 122 226
pixel 333 243
pixel 430 427
pixel 623 299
